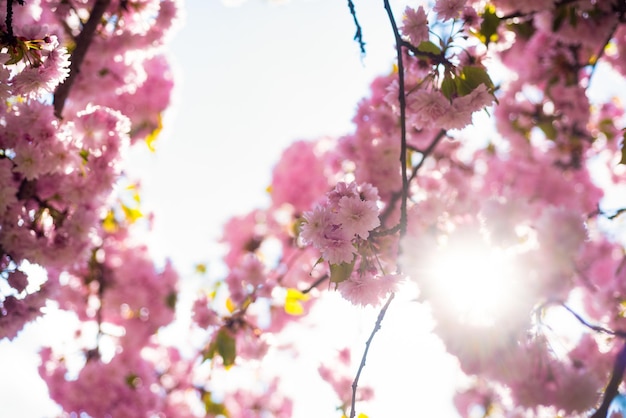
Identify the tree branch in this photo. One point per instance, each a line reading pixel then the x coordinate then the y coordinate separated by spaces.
pixel 83 41
pixel 10 36
pixel 397 195
pixel 402 102
pixel 358 36
pixel 612 388
pixel 596 328
pixel 355 383
pixel 427 152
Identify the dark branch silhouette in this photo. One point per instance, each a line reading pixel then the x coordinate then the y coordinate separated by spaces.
pixel 358 36
pixel 612 389
pixel 402 102
pixel 83 41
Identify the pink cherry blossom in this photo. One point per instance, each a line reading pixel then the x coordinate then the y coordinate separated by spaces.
pixel 448 9
pixel 415 25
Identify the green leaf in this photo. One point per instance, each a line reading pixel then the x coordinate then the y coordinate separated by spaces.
pixel 477 76
pixel 213 408
pixel 223 344
pixel 133 381
pixel 340 272
pixel 429 48
pixel 523 30
pixel 16 55
pixel 448 86
pixel 471 77
pixel 548 129
pixel 559 19
pixel 573 17
pixel 171 299
pixel 489 26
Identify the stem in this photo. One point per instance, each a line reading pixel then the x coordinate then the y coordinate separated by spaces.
pixel 315 284
pixel 427 152
pixel 402 102
pixel 355 383
pixel 83 41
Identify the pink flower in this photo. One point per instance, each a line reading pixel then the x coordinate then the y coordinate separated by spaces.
pixel 367 290
pixel 298 179
pixel 338 247
pixel 357 217
pixel 415 25
pixel 317 222
pixel 342 189
pixel 448 9
pixel 28 160
pixel 427 106
pixel 202 315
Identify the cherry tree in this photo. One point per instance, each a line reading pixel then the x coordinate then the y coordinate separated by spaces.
pixel 474 181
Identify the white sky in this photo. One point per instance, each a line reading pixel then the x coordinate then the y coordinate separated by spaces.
pixel 251 79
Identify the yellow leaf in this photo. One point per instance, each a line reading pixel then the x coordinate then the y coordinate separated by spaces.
pixel 109 224
pixel 362 415
pixel 201 268
pixel 230 305
pixel 150 139
pixel 134 187
pixel 293 302
pixel 132 214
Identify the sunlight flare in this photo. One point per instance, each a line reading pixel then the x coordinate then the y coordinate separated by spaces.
pixel 475 283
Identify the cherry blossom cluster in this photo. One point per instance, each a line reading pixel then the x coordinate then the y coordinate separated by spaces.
pixel 33 67
pixel 61 154
pixel 55 181
pixel 343 223
pixel 119 296
pixel 526 193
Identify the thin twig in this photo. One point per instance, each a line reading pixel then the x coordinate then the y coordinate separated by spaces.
pixel 358 36
pixel 355 383
pixel 600 212
pixel 593 327
pixel 315 284
pixel 83 41
pixel 402 102
pixel 427 152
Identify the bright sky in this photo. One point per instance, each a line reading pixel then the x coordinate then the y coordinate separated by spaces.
pixel 251 79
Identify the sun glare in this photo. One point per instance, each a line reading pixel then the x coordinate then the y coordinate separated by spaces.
pixel 476 282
